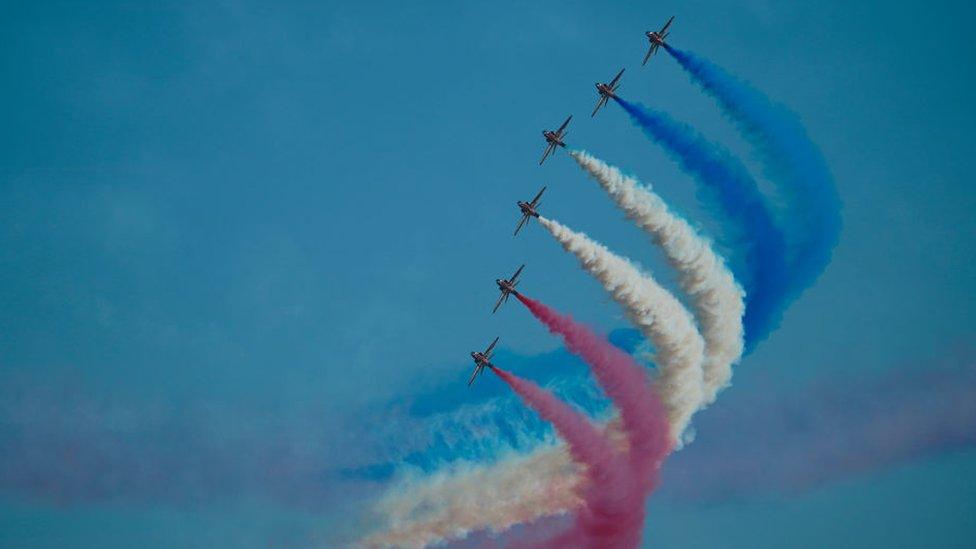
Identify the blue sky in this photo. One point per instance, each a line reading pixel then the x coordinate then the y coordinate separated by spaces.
pixel 298 211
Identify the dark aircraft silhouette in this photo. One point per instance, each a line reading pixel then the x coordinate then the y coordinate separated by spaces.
pixel 482 361
pixel 554 138
pixel 507 287
pixel 607 91
pixel 656 39
pixel 529 209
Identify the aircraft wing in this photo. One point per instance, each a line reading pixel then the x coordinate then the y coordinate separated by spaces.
pixel 616 78
pixel 664 29
pixel 498 303
pixel 477 370
pixel 517 272
pixel 600 103
pixel 525 217
pixel 563 127
pixel 490 347
pixel 535 201
pixel 549 149
pixel 650 52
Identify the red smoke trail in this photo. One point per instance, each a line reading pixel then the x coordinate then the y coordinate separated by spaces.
pixel 613 511
pixel 625 382
pixel 587 444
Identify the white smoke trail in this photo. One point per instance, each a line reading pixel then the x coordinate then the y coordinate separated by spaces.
pixel 522 489
pixel 448 505
pixel 703 275
pixel 656 313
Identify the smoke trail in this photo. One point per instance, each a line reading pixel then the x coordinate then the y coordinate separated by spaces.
pixel 790 160
pixel 658 315
pixel 450 503
pixel 613 510
pixel 642 413
pixel 725 187
pixel 702 273
pixel 587 444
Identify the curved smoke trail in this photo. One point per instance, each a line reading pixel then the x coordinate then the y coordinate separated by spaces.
pixel 642 414
pixel 656 313
pixel 608 502
pixel 612 512
pixel 450 504
pixel 545 483
pixel 609 515
pixel 587 445
pixel 725 187
pixel 702 274
pixel 790 160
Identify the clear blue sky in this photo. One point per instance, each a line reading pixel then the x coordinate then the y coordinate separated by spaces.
pixel 301 207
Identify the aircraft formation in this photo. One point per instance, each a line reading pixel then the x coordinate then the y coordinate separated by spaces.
pixel 554 139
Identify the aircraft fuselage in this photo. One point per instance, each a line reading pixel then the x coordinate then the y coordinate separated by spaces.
pixel 655 38
pixel 480 359
pixel 551 137
pixel 605 90
pixel 527 209
pixel 505 286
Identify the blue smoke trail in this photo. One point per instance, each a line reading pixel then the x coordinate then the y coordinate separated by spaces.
pixel 725 186
pixel 790 160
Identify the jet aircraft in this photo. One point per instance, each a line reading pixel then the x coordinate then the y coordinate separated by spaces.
pixel 507 287
pixel 656 39
pixel 529 209
pixel 482 361
pixel 554 138
pixel 607 91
